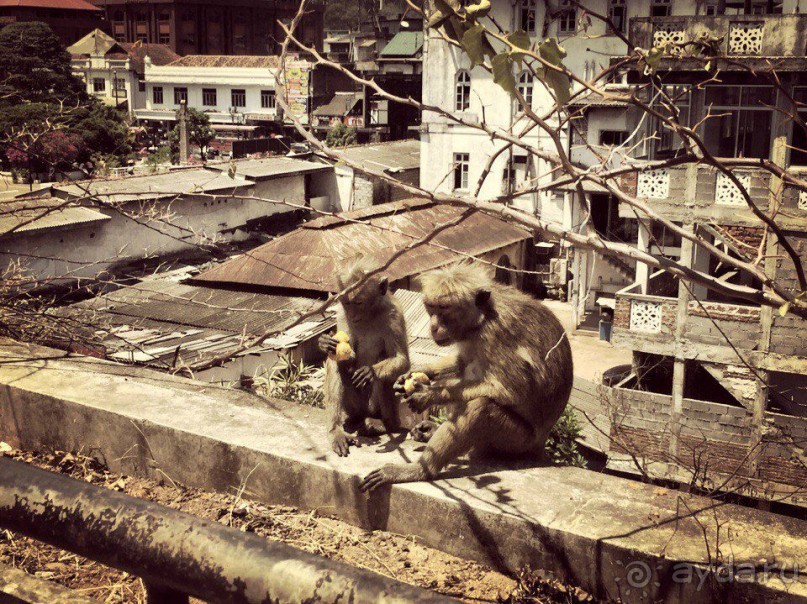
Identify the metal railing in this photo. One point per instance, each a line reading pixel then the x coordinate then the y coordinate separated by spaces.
pixel 178 555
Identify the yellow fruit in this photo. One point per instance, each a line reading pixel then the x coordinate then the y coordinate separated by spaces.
pixel 341 336
pixel 413 380
pixel 343 352
pixel 420 378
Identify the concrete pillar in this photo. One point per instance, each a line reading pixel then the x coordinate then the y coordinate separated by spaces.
pixel 184 146
pixel 642 270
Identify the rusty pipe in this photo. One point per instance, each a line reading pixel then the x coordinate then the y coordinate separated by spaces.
pixel 181 552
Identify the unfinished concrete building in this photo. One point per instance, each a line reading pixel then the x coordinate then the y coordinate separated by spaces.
pixel 716 396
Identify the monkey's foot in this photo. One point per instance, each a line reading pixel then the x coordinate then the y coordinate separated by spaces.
pixel 340 442
pixel 392 473
pixel 423 431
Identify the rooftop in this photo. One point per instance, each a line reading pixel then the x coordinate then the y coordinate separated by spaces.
pixel 405 44
pixel 54 4
pixel 153 186
pixel 308 258
pixel 271 167
pixel 227 61
pixel 39 214
pixel 392 157
pixel 100 43
pixel 340 105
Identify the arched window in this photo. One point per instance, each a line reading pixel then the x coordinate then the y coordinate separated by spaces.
pixel 463 91
pixel 525 87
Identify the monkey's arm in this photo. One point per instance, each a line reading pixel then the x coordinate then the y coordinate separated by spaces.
pixel 335 405
pixel 396 346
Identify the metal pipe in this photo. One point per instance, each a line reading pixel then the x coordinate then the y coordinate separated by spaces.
pixel 178 551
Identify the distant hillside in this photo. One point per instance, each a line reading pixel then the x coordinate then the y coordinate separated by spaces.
pixel 346 14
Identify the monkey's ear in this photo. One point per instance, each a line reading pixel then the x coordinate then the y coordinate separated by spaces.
pixel 383 286
pixel 482 297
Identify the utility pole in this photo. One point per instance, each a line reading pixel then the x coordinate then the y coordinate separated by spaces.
pixel 183 132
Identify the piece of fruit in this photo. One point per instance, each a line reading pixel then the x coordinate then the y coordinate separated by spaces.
pixel 343 352
pixel 341 336
pixel 413 380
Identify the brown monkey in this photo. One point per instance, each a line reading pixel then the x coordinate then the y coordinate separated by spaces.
pixel 506 387
pixel 362 388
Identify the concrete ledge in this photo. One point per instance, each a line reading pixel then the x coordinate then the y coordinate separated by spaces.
pixel 18 587
pixel 613 537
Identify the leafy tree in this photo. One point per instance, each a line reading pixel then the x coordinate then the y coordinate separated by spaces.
pixel 103 129
pixel 340 136
pixel 35 67
pixel 54 150
pixel 199 133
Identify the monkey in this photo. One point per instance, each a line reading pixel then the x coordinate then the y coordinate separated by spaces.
pixel 505 388
pixel 362 388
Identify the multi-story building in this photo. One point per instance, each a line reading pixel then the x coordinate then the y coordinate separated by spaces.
pixel 716 394
pixel 69 19
pixel 114 71
pixel 243 27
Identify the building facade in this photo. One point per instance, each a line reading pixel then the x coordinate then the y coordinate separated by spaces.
pixel 114 72
pixel 69 19
pixel 204 27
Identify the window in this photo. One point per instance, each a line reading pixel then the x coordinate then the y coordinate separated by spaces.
pixel 461 164
pixel 141 18
pixel 617 13
pixel 268 99
pixel 157 95
pixel 209 97
pixel 740 122
pixel 141 37
pixel 798 151
pixel 463 91
pixel 660 8
pixel 164 38
pixel 98 85
pixel 664 142
pixel 180 95
pixel 141 85
pixel 612 138
pixel 239 97
pixel 163 16
pixel 119 37
pixel 567 18
pixel 525 87
pixel 527 16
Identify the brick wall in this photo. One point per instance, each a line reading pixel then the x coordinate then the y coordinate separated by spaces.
pixel 749 237
pixel 740 324
pixel 787 334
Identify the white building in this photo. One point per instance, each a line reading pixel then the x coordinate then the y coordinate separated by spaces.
pixel 113 71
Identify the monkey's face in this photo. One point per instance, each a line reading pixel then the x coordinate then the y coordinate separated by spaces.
pixel 456 320
pixel 362 303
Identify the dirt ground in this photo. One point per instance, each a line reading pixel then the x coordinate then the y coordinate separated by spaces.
pixel 397 556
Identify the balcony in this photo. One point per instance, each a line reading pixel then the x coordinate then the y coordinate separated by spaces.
pixel 705 194
pixel 783 36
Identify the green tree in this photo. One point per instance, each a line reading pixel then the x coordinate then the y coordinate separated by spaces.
pixel 35 67
pixel 340 135
pixel 199 133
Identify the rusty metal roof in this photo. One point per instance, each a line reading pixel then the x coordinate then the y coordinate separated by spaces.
pixel 38 214
pixel 392 156
pixel 270 167
pixel 261 61
pixel 308 258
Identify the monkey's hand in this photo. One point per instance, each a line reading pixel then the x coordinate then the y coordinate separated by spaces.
pixel 422 398
pixel 423 431
pixel 341 441
pixel 327 344
pixel 398 387
pixel 392 473
pixel 363 377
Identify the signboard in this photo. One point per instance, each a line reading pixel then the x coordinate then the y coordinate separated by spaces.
pixel 297 84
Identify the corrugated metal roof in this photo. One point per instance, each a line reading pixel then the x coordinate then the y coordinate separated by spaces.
pixel 270 167
pixel 309 257
pixel 153 186
pixel 262 61
pixel 392 156
pixel 44 214
pixel 404 44
pixel 340 105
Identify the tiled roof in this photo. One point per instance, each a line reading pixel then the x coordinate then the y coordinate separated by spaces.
pixel 160 54
pixel 227 61
pixel 308 258
pixel 38 214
